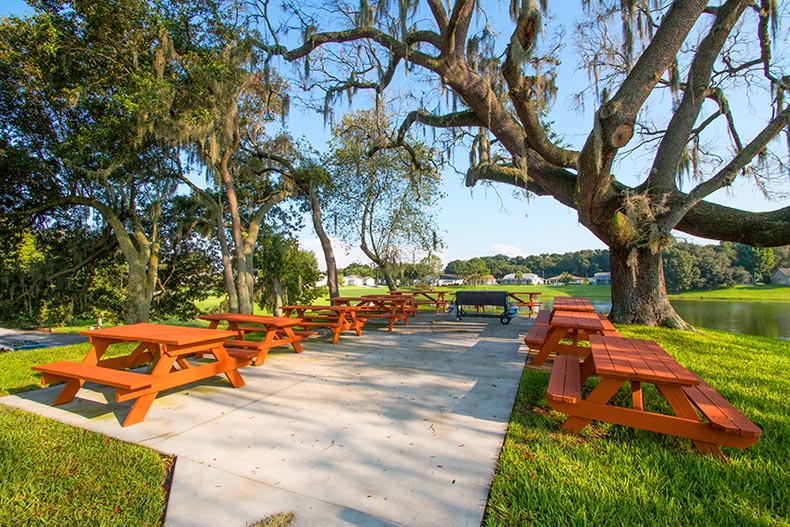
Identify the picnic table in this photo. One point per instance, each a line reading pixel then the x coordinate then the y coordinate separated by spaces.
pixel 165 348
pixel 336 318
pixel 574 325
pixel 279 331
pixel 530 303
pixel 389 307
pixel 618 361
pixel 572 303
pixel 426 297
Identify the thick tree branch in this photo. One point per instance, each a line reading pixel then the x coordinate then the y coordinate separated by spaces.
pixel 394 45
pixel 458 28
pixel 717 222
pixel 522 92
pixel 662 178
pixel 726 175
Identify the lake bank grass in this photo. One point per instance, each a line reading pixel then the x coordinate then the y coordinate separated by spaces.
pixel 610 475
pixel 746 293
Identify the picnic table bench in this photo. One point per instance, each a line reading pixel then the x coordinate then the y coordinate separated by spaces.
pixel 574 325
pixel 336 318
pixel 165 348
pixel 617 361
pixel 278 331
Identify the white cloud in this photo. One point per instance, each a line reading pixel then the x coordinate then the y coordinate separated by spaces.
pixel 344 254
pixel 507 250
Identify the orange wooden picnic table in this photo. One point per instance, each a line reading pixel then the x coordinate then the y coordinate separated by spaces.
pixel 390 307
pixel 166 348
pixel 574 325
pixel 529 303
pixel 617 361
pixel 336 318
pixel 279 331
pixel 426 297
pixel 572 303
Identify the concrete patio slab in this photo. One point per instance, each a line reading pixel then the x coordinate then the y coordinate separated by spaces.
pixel 400 428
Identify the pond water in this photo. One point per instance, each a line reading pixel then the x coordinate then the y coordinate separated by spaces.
pixel 767 319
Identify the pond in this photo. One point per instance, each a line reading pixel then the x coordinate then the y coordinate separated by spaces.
pixel 767 319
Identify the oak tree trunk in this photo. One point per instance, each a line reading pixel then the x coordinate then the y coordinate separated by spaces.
pixel 638 292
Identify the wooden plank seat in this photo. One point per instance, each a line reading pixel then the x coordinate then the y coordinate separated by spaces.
pixel 565 381
pixel 700 413
pixel 536 336
pixel 721 414
pixel 543 318
pixel 120 379
pixel 437 304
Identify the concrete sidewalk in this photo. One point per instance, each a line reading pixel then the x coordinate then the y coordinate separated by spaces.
pixel 400 428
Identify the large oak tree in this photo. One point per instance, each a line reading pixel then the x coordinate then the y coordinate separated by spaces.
pixel 499 90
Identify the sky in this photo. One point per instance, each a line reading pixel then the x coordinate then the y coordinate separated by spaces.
pixel 490 220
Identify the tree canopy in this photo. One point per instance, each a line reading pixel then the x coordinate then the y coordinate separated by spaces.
pixel 663 76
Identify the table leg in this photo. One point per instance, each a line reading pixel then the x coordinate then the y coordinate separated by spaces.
pixel 297 346
pixel 682 407
pixel 555 335
pixel 68 391
pixel 637 401
pixel 140 407
pixel 601 394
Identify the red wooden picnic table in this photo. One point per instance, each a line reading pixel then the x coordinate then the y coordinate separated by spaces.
pixel 390 307
pixel 574 325
pixel 529 303
pixel 619 360
pixel 279 331
pixel 336 318
pixel 572 303
pixel 166 348
pixel 426 297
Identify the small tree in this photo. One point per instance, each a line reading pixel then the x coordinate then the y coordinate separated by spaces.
pixel 383 200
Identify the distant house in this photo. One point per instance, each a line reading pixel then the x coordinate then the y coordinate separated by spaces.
pixel 781 276
pixel 488 280
pixel 557 280
pixel 357 280
pixel 526 279
pixel 449 279
pixel 602 279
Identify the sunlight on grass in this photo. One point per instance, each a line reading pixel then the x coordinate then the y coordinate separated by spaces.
pixel 55 474
pixel 613 475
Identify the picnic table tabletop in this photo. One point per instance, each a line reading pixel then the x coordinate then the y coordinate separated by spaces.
pixel 572 303
pixel 164 347
pixel 240 318
pixel 585 320
pixel 574 325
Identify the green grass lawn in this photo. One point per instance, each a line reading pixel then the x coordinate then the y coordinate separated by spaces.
pixel 612 475
pixel 55 474
pixel 752 293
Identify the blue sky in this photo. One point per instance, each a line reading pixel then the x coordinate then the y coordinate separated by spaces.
pixel 491 220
